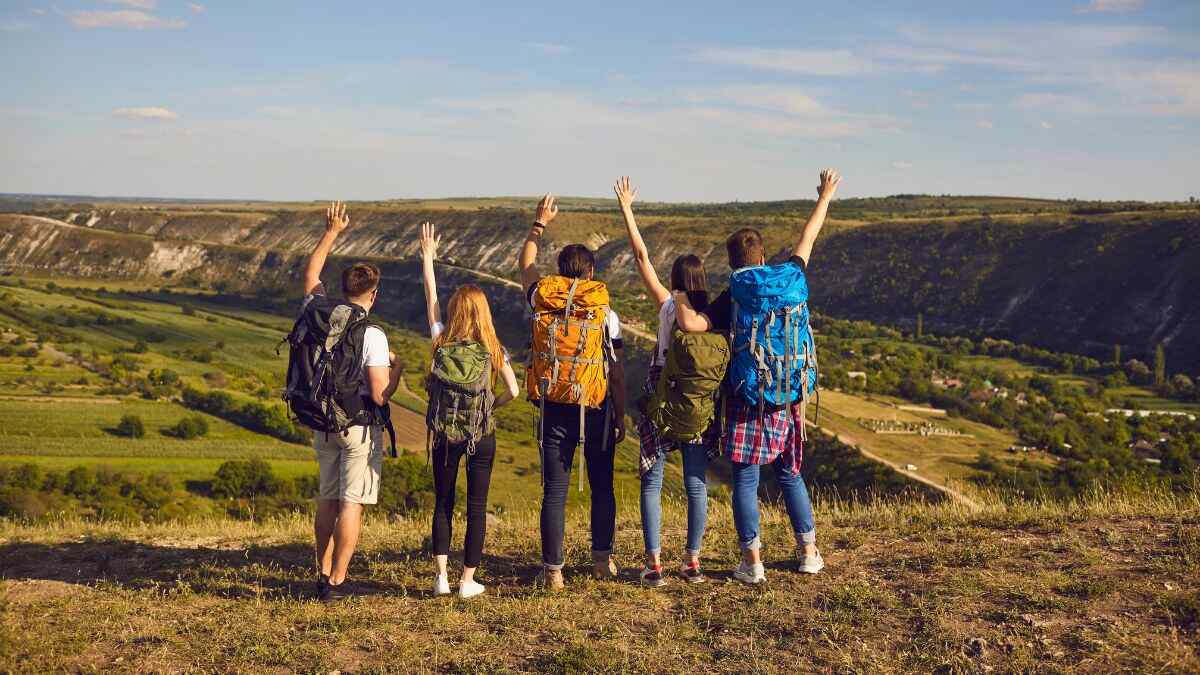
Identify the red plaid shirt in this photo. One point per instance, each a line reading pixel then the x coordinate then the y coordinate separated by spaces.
pixel 652 443
pixel 751 439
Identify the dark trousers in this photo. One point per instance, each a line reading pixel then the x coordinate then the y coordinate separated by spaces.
pixel 560 437
pixel 479 477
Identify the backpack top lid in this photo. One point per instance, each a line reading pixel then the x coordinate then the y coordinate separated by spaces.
pixel 322 313
pixel 463 364
pixel 551 293
pixel 764 288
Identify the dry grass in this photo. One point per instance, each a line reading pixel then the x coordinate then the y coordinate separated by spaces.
pixel 1108 583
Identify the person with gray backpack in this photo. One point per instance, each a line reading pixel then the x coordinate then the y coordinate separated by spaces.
pixel 679 407
pixel 467 358
pixel 340 377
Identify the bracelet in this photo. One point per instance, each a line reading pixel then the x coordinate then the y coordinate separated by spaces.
pixel 537 224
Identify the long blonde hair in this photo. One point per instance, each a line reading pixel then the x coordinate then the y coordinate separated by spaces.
pixel 469 319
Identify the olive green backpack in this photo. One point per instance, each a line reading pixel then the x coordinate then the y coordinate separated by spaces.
pixel 684 404
pixel 460 395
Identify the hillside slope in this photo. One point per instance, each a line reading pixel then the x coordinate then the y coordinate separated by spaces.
pixel 1075 284
pixel 1078 283
pixel 1108 585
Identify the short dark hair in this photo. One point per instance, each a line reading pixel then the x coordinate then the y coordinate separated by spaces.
pixel 745 248
pixel 359 279
pixel 576 261
pixel 687 274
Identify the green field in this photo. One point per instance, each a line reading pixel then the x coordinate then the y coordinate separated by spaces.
pixel 56 411
pixel 942 459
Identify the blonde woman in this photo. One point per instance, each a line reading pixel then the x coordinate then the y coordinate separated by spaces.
pixel 468 326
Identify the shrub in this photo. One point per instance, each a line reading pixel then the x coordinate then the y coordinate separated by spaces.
pixel 261 417
pixel 131 426
pixel 239 478
pixel 192 426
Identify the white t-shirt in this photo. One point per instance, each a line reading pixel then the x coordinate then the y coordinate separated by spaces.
pixel 666 326
pixel 375 353
pixel 439 327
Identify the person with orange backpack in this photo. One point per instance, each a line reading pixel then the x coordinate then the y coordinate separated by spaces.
pixel 576 379
pixel 771 377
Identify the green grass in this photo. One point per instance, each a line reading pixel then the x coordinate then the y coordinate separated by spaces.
pixel 1090 586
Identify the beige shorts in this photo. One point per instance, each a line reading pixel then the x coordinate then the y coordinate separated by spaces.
pixel 350 464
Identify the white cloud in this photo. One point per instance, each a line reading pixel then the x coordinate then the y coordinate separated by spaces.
pixel 1111 6
pixel 38 10
pixel 136 4
pixel 985 124
pixel 902 165
pixel 1066 103
pixel 764 97
pixel 149 113
pixel 197 8
pixel 122 18
pixel 548 48
pixel 807 61
pixel 780 111
pixel 15 26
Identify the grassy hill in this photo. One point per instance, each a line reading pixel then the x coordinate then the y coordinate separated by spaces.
pixel 1110 583
pixel 1058 274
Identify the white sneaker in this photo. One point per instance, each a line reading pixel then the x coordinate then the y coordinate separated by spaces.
pixel 811 563
pixel 470 589
pixel 441 584
pixel 750 574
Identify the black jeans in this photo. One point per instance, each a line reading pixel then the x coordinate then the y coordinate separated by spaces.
pixel 560 437
pixel 479 478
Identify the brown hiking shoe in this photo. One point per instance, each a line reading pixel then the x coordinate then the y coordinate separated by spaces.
pixel 603 566
pixel 551 580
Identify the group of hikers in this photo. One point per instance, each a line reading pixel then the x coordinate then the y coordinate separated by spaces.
pixel 730 376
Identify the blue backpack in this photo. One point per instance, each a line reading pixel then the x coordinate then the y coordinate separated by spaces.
pixel 774 360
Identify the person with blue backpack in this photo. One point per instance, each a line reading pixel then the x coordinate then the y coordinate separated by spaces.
pixel 771 377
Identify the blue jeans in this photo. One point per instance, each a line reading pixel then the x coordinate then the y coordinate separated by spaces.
pixel 745 503
pixel 695 469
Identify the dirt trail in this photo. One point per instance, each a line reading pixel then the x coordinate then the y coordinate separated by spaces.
pixel 946 490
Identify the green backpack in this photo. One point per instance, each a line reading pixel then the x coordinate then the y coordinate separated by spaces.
pixel 683 406
pixel 460 395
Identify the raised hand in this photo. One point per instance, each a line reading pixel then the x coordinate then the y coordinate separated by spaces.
pixel 429 241
pixel 830 179
pixel 547 210
pixel 626 193
pixel 336 219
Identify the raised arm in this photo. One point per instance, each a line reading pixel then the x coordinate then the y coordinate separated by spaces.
pixel 546 212
pixel 429 247
pixel 625 196
pixel 686 316
pixel 335 222
pixel 808 236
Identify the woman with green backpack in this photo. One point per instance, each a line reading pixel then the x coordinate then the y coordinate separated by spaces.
pixel 681 386
pixel 467 356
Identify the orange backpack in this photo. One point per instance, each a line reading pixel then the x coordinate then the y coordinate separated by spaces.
pixel 571 348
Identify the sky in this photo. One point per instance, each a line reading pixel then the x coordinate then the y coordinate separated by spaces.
pixel 697 101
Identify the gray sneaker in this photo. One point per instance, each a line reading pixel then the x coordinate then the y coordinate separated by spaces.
pixel 750 574
pixel 811 563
